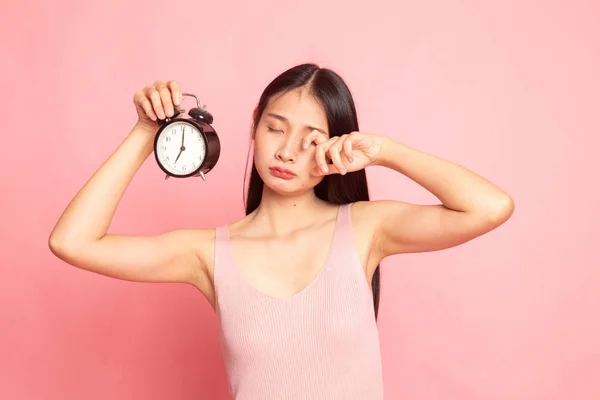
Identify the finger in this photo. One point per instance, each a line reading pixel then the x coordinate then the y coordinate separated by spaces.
pixel 314 137
pixel 348 150
pixel 176 93
pixel 316 171
pixel 152 94
pixel 141 101
pixel 165 98
pixel 334 154
pixel 320 152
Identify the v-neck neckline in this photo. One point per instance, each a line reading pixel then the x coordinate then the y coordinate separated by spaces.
pixel 235 266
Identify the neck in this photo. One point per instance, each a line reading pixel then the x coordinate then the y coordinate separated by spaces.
pixel 281 215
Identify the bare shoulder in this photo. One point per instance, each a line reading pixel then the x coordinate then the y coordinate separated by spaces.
pixel 362 214
pixel 371 210
pixel 367 215
pixel 367 219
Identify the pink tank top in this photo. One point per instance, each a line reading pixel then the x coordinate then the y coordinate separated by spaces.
pixel 322 343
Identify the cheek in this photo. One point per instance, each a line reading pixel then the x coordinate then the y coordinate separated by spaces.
pixel 262 149
pixel 309 156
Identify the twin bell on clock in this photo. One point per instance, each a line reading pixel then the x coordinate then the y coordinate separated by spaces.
pixel 187 147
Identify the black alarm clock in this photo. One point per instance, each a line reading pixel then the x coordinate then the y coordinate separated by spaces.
pixel 187 147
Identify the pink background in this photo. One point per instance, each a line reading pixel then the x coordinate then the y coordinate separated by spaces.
pixel 508 89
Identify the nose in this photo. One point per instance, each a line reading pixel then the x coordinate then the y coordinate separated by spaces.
pixel 287 152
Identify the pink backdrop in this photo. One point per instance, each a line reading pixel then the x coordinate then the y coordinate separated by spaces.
pixel 507 89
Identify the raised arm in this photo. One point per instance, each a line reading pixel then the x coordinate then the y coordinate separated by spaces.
pixel 470 205
pixel 80 236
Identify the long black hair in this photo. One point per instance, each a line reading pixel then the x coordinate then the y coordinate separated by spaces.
pixel 333 93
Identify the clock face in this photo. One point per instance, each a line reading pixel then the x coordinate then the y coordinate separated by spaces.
pixel 181 148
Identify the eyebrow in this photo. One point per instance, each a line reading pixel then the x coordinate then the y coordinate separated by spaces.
pixel 284 119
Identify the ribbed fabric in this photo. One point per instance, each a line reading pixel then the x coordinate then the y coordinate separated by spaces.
pixel 322 343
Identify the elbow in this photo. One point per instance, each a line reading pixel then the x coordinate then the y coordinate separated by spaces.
pixel 57 246
pixel 502 210
pixel 61 248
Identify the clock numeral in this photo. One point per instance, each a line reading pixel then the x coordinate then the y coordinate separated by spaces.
pixel 167 139
pixel 163 147
pixel 167 158
pixel 184 168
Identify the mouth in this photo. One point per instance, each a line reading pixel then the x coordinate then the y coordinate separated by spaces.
pixel 282 173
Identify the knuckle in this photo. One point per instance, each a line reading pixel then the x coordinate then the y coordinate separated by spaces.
pixel 165 96
pixel 155 97
pixel 138 96
pixel 163 91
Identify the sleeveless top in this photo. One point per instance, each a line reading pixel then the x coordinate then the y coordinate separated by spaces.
pixel 321 343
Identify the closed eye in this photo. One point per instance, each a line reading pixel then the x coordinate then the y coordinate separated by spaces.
pixel 273 130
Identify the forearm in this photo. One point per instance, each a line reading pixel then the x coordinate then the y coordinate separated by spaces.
pixel 89 214
pixel 456 187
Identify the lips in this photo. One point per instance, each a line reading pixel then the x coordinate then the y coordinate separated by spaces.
pixel 282 173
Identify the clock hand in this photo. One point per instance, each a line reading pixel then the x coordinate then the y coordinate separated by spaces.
pixel 182 148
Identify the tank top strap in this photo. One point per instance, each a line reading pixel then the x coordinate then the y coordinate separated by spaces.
pixel 343 229
pixel 222 261
pixel 344 223
pixel 344 219
pixel 221 234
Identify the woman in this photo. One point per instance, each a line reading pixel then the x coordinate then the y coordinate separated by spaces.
pixel 295 283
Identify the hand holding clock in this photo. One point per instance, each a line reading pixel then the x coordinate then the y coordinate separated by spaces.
pixel 158 112
pixel 157 101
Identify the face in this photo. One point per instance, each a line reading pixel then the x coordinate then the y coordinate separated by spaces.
pixel 282 163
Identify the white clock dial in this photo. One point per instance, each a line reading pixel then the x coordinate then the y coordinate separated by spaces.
pixel 181 148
